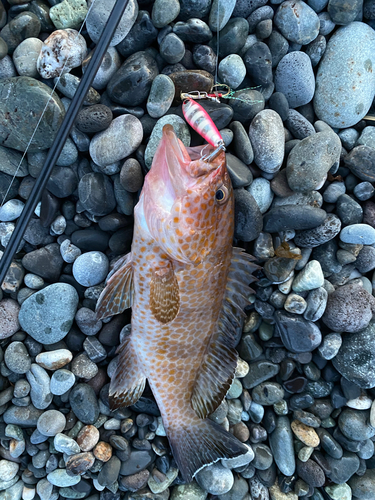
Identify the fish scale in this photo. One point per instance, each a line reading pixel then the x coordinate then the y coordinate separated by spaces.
pixel 187 287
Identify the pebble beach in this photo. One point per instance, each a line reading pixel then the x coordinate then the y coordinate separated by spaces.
pixel 299 128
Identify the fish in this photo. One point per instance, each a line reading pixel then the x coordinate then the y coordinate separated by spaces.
pixel 187 287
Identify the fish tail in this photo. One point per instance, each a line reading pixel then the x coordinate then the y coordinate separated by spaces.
pixel 201 444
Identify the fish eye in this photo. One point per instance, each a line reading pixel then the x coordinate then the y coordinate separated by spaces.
pixel 221 194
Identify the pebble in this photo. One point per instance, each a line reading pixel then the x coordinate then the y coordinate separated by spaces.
pixel 339 491
pixel 248 218
pixel 311 159
pixel 51 423
pixel 363 486
pixel 294 77
pixel 309 278
pixel 215 479
pixel 56 306
pixel 232 71
pixel 298 335
pixel 350 43
pixel 99 14
pixel 281 443
pixel 61 382
pixel 17 358
pixel 161 96
pixel 84 403
pixel 39 381
pixel 261 191
pixel 60 478
pixel 164 13
pixel 306 434
pixel 322 234
pixel 131 83
pixel 9 311
pixel 88 437
pixel 297 22
pixel 358 234
pixel 360 162
pixel 90 268
pixel 62 51
pixel 26 55
pixel 8 470
pixel 355 359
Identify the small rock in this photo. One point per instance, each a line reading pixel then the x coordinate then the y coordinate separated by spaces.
pixel 90 268
pixel 51 423
pixel 53 360
pixel 215 479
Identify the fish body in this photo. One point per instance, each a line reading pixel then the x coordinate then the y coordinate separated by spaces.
pixel 186 286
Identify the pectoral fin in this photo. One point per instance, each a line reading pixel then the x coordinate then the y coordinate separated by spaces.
pixel 164 294
pixel 216 373
pixel 128 383
pixel 118 294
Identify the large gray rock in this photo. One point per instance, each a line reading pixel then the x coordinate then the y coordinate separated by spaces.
pixel 23 101
pixel 345 82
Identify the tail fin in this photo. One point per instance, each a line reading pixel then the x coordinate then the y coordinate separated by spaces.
pixel 202 444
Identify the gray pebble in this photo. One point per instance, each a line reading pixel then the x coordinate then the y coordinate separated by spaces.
pixel 297 22
pixel 61 381
pixel 69 252
pixel 56 306
pixel 87 322
pixel 161 96
pixel 294 77
pixel 232 70
pixel 11 210
pixel 330 345
pixel 215 479
pixel 17 358
pixel 39 381
pixel 83 367
pixel 65 444
pixel 164 12
pixel 362 234
pixel 90 268
pixel 60 478
pixel 260 189
pixel 220 14
pixel 51 423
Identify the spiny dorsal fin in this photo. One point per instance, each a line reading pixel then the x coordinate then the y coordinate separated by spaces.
pixel 164 294
pixel 219 363
pixel 128 383
pixel 118 293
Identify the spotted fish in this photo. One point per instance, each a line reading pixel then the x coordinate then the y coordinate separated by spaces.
pixel 187 287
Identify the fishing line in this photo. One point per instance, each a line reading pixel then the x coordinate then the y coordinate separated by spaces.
pixel 62 135
pixel 45 108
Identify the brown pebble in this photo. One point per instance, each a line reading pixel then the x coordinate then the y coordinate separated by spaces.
pixel 80 463
pixel 306 434
pixel 87 437
pixel 103 451
pixel 241 432
pixel 136 481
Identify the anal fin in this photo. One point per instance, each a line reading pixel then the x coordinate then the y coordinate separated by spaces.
pixel 118 293
pixel 204 443
pixel 216 372
pixel 128 383
pixel 164 294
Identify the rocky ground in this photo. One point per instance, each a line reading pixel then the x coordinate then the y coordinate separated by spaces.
pixel 302 162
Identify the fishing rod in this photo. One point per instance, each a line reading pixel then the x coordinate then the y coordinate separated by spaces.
pixel 62 135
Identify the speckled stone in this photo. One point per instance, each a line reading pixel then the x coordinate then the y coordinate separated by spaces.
pixel 54 307
pixel 297 22
pixel 267 138
pixel 161 96
pixel 343 101
pixel 294 77
pixel 68 14
pixel 62 51
pixel 9 323
pixel 25 57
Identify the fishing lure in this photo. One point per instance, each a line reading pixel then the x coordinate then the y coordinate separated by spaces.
pixel 199 120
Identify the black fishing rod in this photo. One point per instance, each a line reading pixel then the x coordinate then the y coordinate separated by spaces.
pixel 62 135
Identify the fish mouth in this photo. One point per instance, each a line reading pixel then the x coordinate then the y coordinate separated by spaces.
pixel 186 165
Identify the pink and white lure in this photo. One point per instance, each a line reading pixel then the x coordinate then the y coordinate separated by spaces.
pixel 198 118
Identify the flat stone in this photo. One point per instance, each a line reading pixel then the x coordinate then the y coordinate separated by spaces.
pixel 306 434
pixel 259 371
pixel 53 360
pixel 55 307
pixel 296 217
pixel 298 335
pixel 358 234
pixel 60 478
pixel 281 443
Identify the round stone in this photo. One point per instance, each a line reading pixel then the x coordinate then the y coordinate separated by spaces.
pixel 84 403
pixel 164 12
pixel 98 16
pixel 119 140
pixel 294 77
pixel 26 55
pixel 96 194
pixel 88 437
pixel 309 278
pixel 8 470
pixel 248 218
pixel 344 101
pixel 349 309
pixel 232 70
pixel 215 479
pixel 90 268
pixel 60 478
pixel 53 360
pixel 17 358
pixel 51 423
pixel 330 346
pixel 297 22
pixel 55 307
pixel 62 381
pixel 261 191
pixel 131 176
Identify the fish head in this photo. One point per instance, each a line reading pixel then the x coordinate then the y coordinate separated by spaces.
pixel 188 202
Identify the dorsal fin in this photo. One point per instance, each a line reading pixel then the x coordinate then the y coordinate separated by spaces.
pixel 219 363
pixel 118 293
pixel 128 383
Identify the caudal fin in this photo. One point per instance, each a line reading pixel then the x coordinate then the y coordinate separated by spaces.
pixel 202 444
